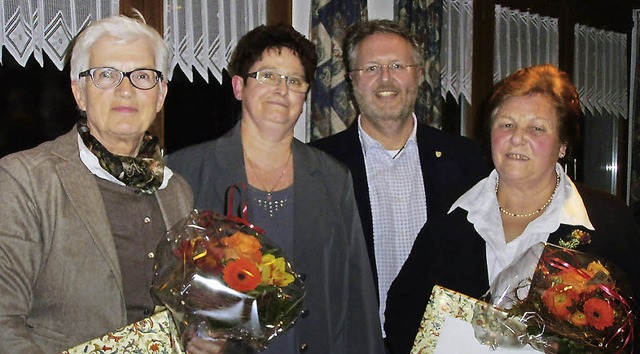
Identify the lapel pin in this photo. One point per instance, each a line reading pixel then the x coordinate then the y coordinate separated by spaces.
pixel 438 153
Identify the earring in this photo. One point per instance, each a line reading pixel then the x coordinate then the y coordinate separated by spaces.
pixel 562 155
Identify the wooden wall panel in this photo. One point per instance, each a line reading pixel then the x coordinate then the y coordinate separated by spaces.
pixel 279 11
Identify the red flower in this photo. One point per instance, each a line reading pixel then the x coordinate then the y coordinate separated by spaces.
pixel 241 275
pixel 211 259
pixel 599 313
pixel 206 254
pixel 558 299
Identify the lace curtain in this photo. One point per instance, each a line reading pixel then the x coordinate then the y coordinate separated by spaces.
pixel 600 70
pixel 523 39
pixel 37 27
pixel 202 34
pixel 456 48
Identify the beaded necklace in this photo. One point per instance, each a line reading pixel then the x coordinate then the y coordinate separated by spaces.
pixel 544 206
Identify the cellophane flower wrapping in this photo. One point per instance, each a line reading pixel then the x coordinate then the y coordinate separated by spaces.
pixel 222 278
pixel 558 300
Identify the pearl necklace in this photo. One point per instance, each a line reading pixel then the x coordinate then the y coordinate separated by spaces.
pixel 544 206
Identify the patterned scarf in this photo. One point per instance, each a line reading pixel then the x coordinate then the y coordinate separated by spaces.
pixel 144 172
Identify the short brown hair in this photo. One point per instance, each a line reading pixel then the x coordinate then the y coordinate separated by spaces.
pixel 253 44
pixel 553 84
pixel 361 30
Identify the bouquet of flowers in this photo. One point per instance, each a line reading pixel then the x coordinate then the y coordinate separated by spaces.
pixel 222 279
pixel 573 303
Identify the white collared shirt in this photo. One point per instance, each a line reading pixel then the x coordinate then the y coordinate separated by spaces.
pixel 481 203
pixel 398 204
pixel 91 161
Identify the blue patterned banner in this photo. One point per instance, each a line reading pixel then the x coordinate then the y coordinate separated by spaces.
pixel 331 107
pixel 424 18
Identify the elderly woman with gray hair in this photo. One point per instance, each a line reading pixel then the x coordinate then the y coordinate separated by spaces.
pixel 82 214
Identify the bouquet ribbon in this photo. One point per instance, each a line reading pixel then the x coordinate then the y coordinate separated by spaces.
pixel 572 303
pixel 244 212
pixel 560 264
pixel 222 278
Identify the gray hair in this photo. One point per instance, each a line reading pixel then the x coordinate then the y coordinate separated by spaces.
pixel 125 30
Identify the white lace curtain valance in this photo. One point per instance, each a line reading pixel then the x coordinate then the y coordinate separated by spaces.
pixel 456 48
pixel 34 27
pixel 523 39
pixel 600 70
pixel 202 34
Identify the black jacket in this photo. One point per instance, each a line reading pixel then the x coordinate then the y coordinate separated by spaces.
pixel 450 166
pixel 449 252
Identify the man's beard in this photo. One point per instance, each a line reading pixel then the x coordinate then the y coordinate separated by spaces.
pixel 378 112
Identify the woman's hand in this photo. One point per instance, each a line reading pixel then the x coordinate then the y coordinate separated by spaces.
pixel 198 345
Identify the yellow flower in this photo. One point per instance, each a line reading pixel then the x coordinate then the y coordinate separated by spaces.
pixel 273 271
pixel 595 267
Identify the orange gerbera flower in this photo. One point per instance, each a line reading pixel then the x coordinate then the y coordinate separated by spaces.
pixel 599 313
pixel 579 319
pixel 241 245
pixel 241 275
pixel 558 299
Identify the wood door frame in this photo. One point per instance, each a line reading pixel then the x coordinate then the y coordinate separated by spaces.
pixel 152 12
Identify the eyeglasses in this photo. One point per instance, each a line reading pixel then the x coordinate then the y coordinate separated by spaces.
pixel 108 78
pixel 394 69
pixel 294 83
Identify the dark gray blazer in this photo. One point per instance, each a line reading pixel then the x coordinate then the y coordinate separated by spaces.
pixel 329 248
pixel 60 279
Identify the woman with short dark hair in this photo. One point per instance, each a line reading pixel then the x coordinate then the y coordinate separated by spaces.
pixel 300 196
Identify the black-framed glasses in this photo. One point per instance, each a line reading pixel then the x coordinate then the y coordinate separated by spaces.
pixel 294 83
pixel 394 69
pixel 107 78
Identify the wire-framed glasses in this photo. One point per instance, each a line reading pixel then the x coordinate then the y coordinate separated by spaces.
pixel 107 78
pixel 294 83
pixel 394 69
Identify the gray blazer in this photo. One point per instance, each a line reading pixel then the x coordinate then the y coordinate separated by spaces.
pixel 60 281
pixel 341 308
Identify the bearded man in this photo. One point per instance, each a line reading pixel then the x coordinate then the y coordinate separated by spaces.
pixel 403 172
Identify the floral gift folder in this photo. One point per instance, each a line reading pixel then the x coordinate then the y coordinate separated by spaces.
pixel 443 302
pixel 155 334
